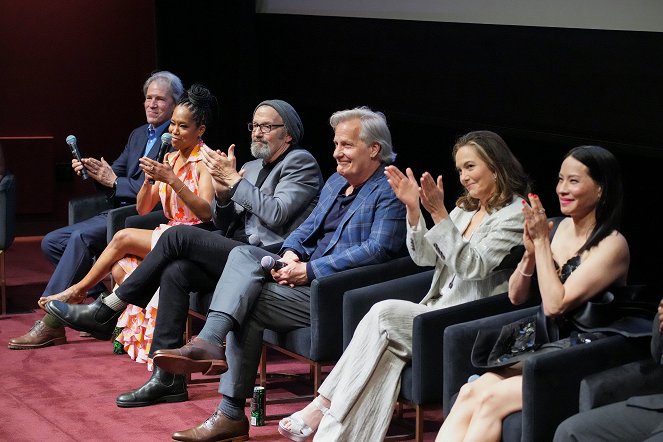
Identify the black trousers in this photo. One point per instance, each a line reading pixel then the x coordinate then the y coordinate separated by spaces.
pixel 185 259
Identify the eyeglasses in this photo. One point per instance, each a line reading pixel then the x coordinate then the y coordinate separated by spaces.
pixel 264 128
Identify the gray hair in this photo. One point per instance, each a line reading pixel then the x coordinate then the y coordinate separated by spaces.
pixel 373 129
pixel 173 81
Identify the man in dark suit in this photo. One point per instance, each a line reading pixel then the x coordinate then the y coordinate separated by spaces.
pixel 639 418
pixel 259 204
pixel 73 249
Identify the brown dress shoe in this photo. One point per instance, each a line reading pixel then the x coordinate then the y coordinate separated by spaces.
pixel 40 335
pixel 216 428
pixel 196 356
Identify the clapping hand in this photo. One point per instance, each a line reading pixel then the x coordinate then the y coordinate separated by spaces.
pixel 223 169
pixel 157 171
pixel 98 170
pixel 432 196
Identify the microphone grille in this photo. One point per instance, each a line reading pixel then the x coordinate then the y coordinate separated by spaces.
pixel 267 262
pixel 166 138
pixel 71 139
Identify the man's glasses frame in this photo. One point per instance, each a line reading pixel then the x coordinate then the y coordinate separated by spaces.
pixel 264 128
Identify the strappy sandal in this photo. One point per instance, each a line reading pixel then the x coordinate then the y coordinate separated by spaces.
pixel 299 430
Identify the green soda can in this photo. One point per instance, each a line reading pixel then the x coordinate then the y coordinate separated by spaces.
pixel 258 407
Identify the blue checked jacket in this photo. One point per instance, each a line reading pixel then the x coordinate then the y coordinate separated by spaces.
pixel 372 230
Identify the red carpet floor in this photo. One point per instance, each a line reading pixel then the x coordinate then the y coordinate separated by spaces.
pixel 67 392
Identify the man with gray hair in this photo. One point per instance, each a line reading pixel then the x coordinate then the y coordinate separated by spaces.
pixel 358 221
pixel 73 249
pixel 259 204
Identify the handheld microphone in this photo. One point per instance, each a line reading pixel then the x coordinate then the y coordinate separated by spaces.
pixel 71 141
pixel 166 140
pixel 268 263
pixel 254 240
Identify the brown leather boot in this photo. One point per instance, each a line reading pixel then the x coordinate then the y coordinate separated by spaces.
pixel 196 356
pixel 217 428
pixel 40 335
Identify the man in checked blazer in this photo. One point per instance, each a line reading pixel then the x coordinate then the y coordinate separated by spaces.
pixel 358 221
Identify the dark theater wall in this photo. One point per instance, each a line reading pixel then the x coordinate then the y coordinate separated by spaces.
pixel 77 67
pixel 544 90
pixel 69 67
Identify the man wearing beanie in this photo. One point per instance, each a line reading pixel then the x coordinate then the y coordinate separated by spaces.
pixel 259 204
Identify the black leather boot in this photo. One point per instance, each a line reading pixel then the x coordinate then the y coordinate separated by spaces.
pixel 161 387
pixel 96 318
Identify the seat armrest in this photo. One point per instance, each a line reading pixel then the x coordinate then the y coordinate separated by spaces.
pixel 117 218
pixel 127 216
pixel 7 210
pixel 551 381
pixel 357 302
pixel 457 350
pixel 617 384
pixel 327 301
pixel 86 207
pixel 428 338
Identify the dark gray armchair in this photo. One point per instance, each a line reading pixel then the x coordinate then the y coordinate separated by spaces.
pixel 617 384
pixel 322 343
pixel 422 379
pixel 85 207
pixel 551 381
pixel 7 228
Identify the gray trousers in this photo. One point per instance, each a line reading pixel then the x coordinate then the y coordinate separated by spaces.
pixel 247 293
pixel 363 386
pixel 637 419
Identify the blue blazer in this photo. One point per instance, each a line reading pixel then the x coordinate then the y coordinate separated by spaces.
pixel 130 177
pixel 372 230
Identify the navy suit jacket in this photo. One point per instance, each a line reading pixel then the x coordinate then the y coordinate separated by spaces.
pixel 130 177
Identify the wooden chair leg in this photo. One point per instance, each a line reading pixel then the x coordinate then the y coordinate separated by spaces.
pixel 3 282
pixel 419 424
pixel 187 335
pixel 263 367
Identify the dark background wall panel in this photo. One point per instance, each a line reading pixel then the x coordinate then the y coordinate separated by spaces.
pixel 71 67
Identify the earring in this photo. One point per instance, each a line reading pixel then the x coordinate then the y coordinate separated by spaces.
pixel 494 177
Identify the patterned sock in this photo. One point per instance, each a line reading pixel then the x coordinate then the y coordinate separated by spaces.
pixel 232 408
pixel 216 327
pixel 114 302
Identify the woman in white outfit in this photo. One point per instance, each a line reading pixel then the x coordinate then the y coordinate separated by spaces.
pixel 466 247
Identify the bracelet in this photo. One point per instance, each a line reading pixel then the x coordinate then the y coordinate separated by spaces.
pixel 181 188
pixel 526 275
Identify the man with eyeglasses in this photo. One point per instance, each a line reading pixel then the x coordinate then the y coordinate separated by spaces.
pixel 259 204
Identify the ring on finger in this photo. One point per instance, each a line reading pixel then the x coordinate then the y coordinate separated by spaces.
pixel 542 211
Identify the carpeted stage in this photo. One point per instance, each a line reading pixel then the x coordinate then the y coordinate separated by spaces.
pixel 67 392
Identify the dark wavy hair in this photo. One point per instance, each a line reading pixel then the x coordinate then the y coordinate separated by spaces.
pixel 510 175
pixel 604 169
pixel 202 104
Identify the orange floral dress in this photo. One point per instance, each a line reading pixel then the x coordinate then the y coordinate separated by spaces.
pixel 138 323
